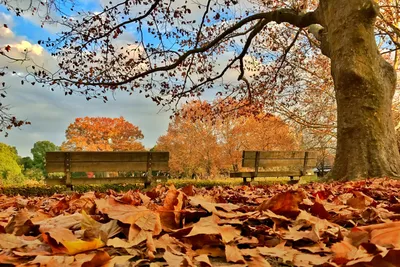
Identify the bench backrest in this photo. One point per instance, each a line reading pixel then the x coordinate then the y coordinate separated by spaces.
pixel 73 161
pixel 266 159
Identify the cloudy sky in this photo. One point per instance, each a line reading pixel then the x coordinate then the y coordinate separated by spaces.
pixel 51 112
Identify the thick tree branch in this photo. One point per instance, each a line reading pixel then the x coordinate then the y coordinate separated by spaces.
pixel 278 16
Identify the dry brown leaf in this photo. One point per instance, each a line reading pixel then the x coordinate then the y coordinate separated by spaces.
pixel 319 247
pixel 233 254
pixel 370 228
pixel 305 260
pixel 228 233
pixel 19 224
pixel 281 251
pixel 119 243
pixel 343 252
pixel 188 190
pixel 295 234
pixel 120 261
pixel 50 261
pixel 210 206
pixel 387 237
pixel 286 204
pixel 99 259
pixel 209 226
pixel 9 241
pixel 258 261
pixel 203 260
pixel 170 212
pixel 360 200
pixel 62 221
pixel 319 211
pixel 177 260
pixel 124 213
pixel 171 244
pixel 211 251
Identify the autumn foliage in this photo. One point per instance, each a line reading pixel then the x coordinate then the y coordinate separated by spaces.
pixel 102 134
pixel 202 146
pixel 341 224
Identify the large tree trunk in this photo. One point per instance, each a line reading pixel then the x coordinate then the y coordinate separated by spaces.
pixel 364 85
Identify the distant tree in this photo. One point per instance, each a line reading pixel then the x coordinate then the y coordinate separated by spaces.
pixel 192 143
pixel 39 153
pixel 102 134
pixel 253 132
pixel 198 144
pixel 8 162
pixel 27 162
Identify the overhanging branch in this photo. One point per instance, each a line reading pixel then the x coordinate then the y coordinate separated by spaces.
pixel 278 16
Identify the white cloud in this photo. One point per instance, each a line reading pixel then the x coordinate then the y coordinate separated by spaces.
pixel 25 46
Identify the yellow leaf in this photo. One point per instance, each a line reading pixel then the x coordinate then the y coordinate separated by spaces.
pixel 78 246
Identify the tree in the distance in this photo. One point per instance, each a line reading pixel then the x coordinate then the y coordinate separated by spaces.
pixel 102 134
pixel 192 143
pixel 27 162
pixel 199 144
pixel 39 154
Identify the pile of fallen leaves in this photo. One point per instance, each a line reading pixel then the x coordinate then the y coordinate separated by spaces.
pixel 339 224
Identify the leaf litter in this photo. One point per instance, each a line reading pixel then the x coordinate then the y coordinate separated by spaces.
pixel 339 224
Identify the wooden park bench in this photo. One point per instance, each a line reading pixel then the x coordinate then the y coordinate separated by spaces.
pixel 131 161
pixel 296 162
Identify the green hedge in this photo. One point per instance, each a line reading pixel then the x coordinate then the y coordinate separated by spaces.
pixel 44 190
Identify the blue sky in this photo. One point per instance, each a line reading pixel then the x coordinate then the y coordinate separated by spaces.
pixel 51 112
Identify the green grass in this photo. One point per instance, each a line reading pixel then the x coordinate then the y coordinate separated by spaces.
pixel 40 189
pixel 237 181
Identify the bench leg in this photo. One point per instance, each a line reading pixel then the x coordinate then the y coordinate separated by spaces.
pixel 291 178
pixel 244 180
pixel 68 181
pixel 252 179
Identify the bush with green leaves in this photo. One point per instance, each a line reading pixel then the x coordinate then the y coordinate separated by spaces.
pixel 10 170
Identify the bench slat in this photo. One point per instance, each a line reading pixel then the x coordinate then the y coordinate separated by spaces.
pixel 278 162
pixel 265 174
pixel 106 166
pixel 85 156
pixel 278 155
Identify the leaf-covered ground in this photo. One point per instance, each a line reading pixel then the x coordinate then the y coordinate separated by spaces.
pixel 340 224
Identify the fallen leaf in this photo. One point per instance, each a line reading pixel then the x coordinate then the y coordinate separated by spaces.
pixel 170 212
pixel 233 254
pixel 343 252
pixel 286 204
pixel 203 260
pixel 19 224
pixel 176 260
pixel 258 261
pixel 118 261
pixel 9 241
pixel 99 259
pixel 53 260
pixel 359 201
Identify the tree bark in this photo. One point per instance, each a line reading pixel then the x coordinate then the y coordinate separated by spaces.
pixel 364 85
